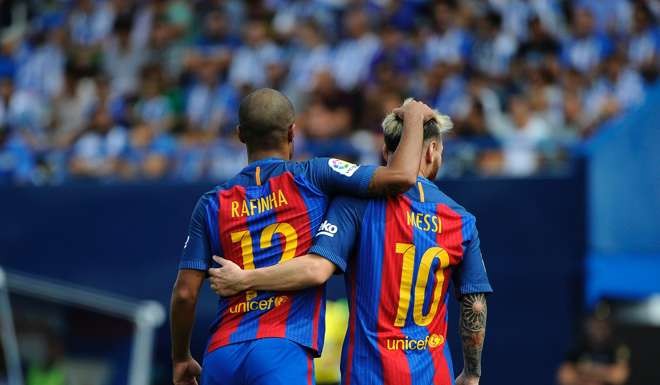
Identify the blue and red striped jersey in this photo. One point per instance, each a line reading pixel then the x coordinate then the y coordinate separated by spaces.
pixel 265 215
pixel 399 256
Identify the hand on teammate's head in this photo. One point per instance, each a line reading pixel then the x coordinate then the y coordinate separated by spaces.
pixel 412 107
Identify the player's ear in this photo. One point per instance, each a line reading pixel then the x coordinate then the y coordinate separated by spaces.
pixel 291 133
pixel 429 154
pixel 240 134
pixel 436 151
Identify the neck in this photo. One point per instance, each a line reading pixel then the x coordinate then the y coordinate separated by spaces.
pixel 423 171
pixel 254 156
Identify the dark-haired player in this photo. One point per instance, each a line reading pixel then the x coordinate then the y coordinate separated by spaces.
pixel 264 216
pixel 399 255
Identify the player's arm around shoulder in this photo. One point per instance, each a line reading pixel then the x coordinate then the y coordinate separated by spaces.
pixel 403 169
pixel 338 177
pixel 298 273
pixel 472 328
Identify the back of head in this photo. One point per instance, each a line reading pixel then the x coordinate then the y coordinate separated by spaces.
pixel 393 128
pixel 265 116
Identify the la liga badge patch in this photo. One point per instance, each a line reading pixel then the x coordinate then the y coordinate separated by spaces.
pixel 343 167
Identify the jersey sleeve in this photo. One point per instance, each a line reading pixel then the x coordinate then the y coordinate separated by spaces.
pixel 197 253
pixel 470 275
pixel 336 235
pixel 335 176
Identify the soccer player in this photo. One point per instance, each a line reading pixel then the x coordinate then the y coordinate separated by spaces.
pixel 263 216
pixel 399 255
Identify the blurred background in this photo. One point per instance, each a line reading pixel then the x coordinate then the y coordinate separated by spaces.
pixel 115 115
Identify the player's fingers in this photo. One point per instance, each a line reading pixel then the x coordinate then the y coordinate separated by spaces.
pixel 221 261
pixel 214 271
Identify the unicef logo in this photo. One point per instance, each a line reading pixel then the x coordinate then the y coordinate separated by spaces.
pixel 280 300
pixel 435 340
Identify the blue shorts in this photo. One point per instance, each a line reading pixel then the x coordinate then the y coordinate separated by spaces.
pixel 266 361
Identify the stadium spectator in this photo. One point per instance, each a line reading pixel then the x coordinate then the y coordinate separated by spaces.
pixel 42 63
pixel 147 154
pixel 210 104
pixel 153 107
pixel 50 369
pixel 493 47
pixel 311 55
pixel 225 157
pixel 180 68
pixel 16 159
pixel 25 111
pixel 449 42
pixel 644 42
pixel 97 151
pixel 7 65
pixel 597 358
pixel 616 89
pixel 394 62
pixel 216 43
pixel 251 60
pixel 163 47
pixel 446 90
pixel 521 133
pixel 353 56
pixel 587 47
pixel 70 107
pixel 540 45
pixel 90 22
pixel 6 93
pixel 122 60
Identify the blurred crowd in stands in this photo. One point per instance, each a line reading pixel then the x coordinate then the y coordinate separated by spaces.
pixel 123 90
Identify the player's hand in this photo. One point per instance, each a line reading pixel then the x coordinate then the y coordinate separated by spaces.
pixel 186 372
pixel 228 279
pixel 415 108
pixel 465 379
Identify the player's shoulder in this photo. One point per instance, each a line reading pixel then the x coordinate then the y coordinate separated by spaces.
pixel 344 206
pixel 210 197
pixel 297 167
pixel 442 198
pixel 340 166
pixel 351 201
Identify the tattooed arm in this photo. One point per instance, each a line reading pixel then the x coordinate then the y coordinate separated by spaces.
pixel 472 330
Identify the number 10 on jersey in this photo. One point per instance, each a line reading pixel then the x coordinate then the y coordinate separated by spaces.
pixel 408 250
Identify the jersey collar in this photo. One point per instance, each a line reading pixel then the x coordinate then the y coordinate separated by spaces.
pixel 424 180
pixel 265 161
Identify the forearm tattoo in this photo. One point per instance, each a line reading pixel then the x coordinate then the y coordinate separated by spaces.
pixel 473 331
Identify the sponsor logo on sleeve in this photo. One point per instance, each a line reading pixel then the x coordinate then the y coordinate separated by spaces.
pixel 343 167
pixel 327 229
pixel 187 240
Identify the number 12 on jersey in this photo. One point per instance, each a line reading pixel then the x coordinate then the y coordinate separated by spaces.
pixel 245 239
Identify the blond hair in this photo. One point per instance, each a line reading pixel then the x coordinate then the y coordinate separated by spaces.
pixel 393 127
